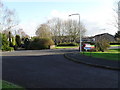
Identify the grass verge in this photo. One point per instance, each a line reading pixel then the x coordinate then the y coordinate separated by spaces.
pixel 8 85
pixel 113 54
pixel 114 45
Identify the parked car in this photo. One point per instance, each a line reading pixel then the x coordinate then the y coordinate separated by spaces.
pixel 87 47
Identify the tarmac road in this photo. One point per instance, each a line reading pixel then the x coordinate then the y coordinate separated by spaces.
pixel 49 69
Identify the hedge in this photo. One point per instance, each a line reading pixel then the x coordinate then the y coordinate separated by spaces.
pixel 40 43
pixel 67 44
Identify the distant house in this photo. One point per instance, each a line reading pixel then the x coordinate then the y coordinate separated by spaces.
pixel 88 39
pixel 106 36
pixel 98 37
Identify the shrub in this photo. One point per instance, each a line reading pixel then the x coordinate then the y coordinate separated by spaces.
pixel 67 44
pixel 26 43
pixel 40 43
pixel 18 41
pixel 102 45
pixel 0 41
pixel 13 43
pixel 5 43
pixel 4 48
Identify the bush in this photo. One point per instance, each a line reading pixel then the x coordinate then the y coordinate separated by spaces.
pixel 67 44
pixel 40 43
pixel 26 43
pixel 102 45
pixel 4 48
pixel 18 41
pixel 5 43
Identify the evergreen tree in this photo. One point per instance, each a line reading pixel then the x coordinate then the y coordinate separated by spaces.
pixel 5 43
pixel 18 40
pixel 26 43
pixel 117 35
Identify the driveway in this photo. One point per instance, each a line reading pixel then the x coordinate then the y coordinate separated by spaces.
pixel 49 69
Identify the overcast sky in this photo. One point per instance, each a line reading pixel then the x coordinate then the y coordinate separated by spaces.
pixel 96 15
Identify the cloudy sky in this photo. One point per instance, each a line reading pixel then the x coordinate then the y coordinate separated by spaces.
pixel 96 15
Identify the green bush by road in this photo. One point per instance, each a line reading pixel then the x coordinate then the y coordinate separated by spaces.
pixel 68 44
pixel 40 43
pixel 4 43
pixel 112 54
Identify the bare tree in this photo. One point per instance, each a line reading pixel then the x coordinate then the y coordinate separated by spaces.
pixel 7 18
pixel 6 32
pixel 43 31
pixel 22 33
pixel 66 30
pixel 73 30
pixel 116 21
pixel 55 25
pixel 116 15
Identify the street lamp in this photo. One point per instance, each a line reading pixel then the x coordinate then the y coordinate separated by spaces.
pixel 79 27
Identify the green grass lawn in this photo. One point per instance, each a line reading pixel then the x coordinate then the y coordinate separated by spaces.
pixel 113 54
pixel 62 47
pixel 9 85
pixel 114 45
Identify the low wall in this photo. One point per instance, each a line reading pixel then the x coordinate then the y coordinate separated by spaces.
pixel 52 46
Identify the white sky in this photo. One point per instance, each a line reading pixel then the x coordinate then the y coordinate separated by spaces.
pixel 96 15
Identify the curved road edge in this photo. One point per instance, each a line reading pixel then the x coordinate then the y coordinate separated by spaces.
pixel 90 64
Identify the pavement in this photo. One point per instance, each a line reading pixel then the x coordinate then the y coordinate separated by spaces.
pixel 49 69
pixel 37 52
pixel 114 47
pixel 96 62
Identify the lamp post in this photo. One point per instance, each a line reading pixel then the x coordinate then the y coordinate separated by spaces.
pixel 79 27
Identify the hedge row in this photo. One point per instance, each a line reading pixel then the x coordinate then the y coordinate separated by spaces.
pixel 40 43
pixel 114 43
pixel 67 44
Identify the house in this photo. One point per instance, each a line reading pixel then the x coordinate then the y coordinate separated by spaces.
pixel 98 37
pixel 88 39
pixel 105 36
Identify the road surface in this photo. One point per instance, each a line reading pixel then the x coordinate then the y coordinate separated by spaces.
pixel 49 69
